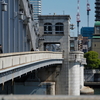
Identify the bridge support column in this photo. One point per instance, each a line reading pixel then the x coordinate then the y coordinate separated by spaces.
pixel 74 80
pixel 75 72
pixel 81 76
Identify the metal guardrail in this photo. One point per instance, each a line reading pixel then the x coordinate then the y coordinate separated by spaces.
pixel 47 97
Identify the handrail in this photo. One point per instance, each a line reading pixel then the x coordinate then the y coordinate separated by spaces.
pixel 48 97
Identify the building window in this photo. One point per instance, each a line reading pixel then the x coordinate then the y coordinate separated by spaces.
pixel 47 28
pixel 95 45
pixel 97 30
pixel 59 28
pixel 52 47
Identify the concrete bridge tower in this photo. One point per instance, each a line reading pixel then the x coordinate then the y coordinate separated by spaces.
pixel 55 31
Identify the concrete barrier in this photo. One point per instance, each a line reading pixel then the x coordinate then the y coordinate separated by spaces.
pixel 14 59
pixel 47 97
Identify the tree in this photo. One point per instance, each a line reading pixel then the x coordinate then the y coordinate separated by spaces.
pixel 92 60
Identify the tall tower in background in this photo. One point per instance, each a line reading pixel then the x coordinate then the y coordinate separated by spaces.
pixel 36 8
pixel 97 10
pixel 78 18
pixel 88 9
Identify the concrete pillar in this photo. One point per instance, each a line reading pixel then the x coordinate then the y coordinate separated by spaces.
pixel 74 80
pixel 52 89
pixel 53 28
pixel 75 72
pixel 81 76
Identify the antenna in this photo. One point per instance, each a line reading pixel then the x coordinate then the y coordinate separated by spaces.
pixel 63 12
pixel 88 9
pixel 78 17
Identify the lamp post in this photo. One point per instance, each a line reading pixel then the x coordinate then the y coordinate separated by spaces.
pixel 21 15
pixel 4 5
pixel 72 26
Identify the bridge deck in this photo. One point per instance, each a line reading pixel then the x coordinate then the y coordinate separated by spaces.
pixel 16 64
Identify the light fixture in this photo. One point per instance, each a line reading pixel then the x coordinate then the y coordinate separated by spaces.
pixel 21 15
pixel 4 6
pixel 28 19
pixel 72 26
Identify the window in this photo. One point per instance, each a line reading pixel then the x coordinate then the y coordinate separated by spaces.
pixel 47 28
pixel 52 47
pixel 59 28
pixel 97 30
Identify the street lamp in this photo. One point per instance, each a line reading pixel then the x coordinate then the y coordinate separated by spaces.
pixel 4 6
pixel 28 19
pixel 21 15
pixel 72 26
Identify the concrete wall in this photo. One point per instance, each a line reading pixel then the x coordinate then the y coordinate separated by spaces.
pixel 25 97
pixel 96 45
pixel 14 59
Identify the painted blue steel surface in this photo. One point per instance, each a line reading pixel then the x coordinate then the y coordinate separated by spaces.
pixel 12 29
pixel 87 32
pixel 6 74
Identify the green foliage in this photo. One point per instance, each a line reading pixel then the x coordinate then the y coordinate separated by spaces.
pixel 92 60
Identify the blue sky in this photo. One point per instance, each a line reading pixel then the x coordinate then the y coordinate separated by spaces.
pixel 70 8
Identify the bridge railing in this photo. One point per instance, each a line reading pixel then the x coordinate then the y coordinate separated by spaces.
pixel 48 97
pixel 13 59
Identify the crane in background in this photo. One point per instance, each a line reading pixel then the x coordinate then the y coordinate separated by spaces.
pixel 88 9
pixel 79 37
pixel 78 18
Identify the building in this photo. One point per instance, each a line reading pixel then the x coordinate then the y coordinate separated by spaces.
pixel 55 36
pixel 16 26
pixel 53 28
pixel 85 44
pixel 97 10
pixel 96 38
pixel 73 44
pixel 96 35
pixel 87 33
pixel 36 8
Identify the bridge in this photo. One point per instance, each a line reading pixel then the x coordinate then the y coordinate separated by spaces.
pixel 53 71
pixel 13 65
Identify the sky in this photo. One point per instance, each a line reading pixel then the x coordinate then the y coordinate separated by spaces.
pixel 69 7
